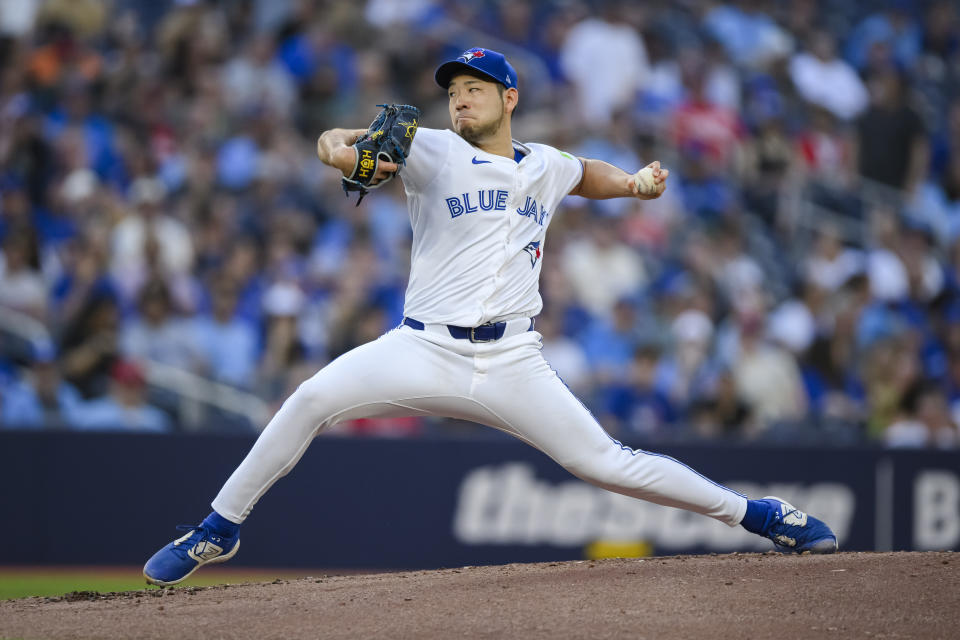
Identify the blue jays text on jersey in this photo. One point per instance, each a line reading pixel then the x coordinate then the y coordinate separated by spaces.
pixel 473 215
pixel 493 200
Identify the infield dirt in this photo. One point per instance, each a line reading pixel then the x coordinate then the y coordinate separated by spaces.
pixel 737 596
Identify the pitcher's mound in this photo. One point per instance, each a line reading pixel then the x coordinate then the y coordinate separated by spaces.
pixel 846 595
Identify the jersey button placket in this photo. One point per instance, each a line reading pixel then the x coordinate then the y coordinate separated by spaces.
pixel 519 188
pixel 516 195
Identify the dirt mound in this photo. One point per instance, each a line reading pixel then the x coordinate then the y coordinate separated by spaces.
pixel 866 595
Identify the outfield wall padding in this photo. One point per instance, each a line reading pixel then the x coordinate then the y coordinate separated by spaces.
pixel 103 498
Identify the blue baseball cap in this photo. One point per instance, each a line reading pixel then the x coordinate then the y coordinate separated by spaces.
pixel 478 60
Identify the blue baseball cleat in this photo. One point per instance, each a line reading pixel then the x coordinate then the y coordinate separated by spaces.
pixel 794 531
pixel 201 545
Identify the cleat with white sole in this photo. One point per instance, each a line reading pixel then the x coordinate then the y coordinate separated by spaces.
pixel 175 562
pixel 794 531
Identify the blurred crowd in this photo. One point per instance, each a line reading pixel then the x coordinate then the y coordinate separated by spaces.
pixel 161 202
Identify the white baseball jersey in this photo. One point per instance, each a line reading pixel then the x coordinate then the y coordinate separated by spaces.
pixel 479 222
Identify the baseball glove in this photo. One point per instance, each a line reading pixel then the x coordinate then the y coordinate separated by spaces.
pixel 388 138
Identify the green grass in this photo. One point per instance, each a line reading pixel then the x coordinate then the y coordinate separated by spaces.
pixel 44 581
pixel 24 586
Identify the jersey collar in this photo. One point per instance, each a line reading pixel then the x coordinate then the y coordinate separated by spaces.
pixel 520 150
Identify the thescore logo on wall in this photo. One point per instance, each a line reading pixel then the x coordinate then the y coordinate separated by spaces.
pixel 508 505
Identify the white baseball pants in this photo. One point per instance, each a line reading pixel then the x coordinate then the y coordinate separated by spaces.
pixel 505 384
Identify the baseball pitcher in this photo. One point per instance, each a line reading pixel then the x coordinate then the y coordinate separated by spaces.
pixel 480 204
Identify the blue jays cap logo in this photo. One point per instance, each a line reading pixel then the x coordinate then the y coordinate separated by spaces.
pixel 470 54
pixel 487 62
pixel 533 250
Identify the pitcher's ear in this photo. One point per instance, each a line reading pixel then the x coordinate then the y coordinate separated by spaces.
pixel 510 99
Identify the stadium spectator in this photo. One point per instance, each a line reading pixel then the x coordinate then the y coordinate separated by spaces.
pixel 825 150
pixel 21 284
pixel 90 344
pixel 941 30
pixel 767 377
pixel 148 242
pixel 226 343
pixel 609 344
pixel 937 202
pixel 590 46
pixel 663 89
pixel 633 406
pixel 284 364
pixel 747 31
pixel 824 79
pixel 831 264
pixel 884 266
pixel 602 270
pixel 40 399
pixel 766 167
pixel 257 79
pixel 700 126
pixel 738 274
pixel 83 276
pixel 891 144
pixel 890 370
pixel 723 414
pixel 124 408
pixel 157 333
pixel 890 35
pixel 686 372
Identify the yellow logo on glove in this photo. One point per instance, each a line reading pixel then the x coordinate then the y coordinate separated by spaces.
pixel 366 163
pixel 411 129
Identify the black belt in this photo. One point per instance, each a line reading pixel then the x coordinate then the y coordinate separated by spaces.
pixel 484 333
